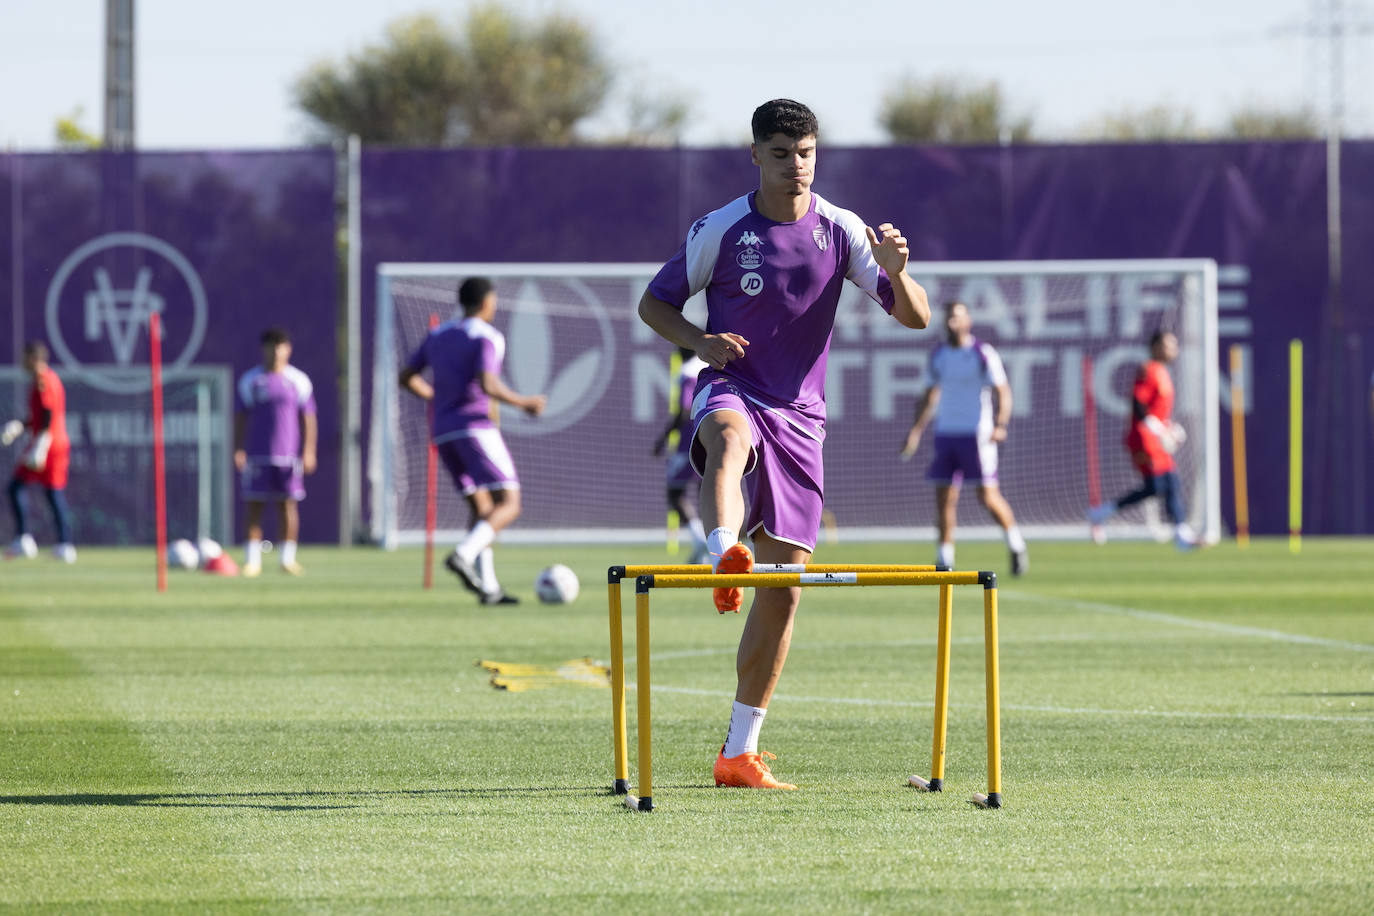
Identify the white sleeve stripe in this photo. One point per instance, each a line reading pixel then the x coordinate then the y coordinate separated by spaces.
pixel 301 382
pixel 997 373
pixel 863 270
pixel 246 385
pixel 703 247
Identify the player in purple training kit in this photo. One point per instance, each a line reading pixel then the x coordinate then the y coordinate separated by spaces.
pixel 964 371
pixel 465 360
pixel 679 471
pixel 772 263
pixel 276 405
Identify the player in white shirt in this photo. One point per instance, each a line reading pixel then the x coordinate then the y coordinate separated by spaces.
pixel 964 372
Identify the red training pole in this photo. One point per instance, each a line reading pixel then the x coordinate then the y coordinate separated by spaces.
pixel 159 470
pixel 431 488
pixel 1090 434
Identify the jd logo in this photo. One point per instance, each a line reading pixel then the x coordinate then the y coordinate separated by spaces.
pixel 559 342
pixel 100 300
pixel 751 283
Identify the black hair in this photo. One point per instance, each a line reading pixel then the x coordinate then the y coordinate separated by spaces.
pixel 274 336
pixel 1158 336
pixel 473 292
pixel 783 116
pixel 36 349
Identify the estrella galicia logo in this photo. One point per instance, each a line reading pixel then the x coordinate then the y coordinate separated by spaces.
pixel 560 342
pixel 697 227
pixel 749 258
pixel 822 237
pixel 101 298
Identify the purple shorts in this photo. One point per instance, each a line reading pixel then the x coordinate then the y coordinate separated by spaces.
pixel 273 480
pixel 680 472
pixel 785 476
pixel 479 461
pixel 960 458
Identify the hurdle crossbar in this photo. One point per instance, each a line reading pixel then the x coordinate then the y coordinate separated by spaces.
pixel 807 575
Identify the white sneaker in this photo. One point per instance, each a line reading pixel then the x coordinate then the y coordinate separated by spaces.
pixel 1184 538
pixel 65 552
pixel 23 546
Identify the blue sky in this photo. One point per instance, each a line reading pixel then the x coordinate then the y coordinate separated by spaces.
pixel 209 77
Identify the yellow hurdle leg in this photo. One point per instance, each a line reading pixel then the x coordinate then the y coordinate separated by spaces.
pixel 936 782
pixel 622 765
pixel 645 801
pixel 994 797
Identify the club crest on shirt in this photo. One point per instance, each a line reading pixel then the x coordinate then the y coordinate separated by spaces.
pixel 749 258
pixel 749 238
pixel 822 237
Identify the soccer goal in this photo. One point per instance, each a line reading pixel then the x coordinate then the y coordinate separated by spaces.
pixel 586 467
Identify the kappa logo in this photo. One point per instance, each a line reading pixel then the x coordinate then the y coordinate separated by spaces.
pixel 822 237
pixel 106 290
pixel 697 227
pixel 750 239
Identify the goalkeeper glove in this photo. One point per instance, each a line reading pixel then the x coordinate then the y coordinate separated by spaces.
pixel 1170 437
pixel 37 455
pixel 11 431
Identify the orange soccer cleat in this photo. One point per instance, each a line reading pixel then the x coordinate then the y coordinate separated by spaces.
pixel 747 771
pixel 736 559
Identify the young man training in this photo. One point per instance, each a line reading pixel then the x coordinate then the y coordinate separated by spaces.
pixel 465 359
pixel 772 264
pixel 1152 438
pixel 274 434
pixel 964 371
pixel 44 459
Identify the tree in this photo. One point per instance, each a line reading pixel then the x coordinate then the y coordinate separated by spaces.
pixel 944 110
pixel 1256 122
pixel 498 80
pixel 1155 122
pixel 70 135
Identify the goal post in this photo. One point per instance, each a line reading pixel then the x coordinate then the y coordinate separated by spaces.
pixel 586 467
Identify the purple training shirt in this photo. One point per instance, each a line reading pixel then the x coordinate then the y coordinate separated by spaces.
pixel 274 402
pixel 776 285
pixel 458 352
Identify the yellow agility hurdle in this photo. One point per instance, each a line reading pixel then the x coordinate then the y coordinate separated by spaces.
pixel 786 576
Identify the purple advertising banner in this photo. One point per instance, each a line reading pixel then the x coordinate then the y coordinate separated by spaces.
pixel 222 245
pixel 1258 209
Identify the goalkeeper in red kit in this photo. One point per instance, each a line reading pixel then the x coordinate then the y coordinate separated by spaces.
pixel 44 457
pixel 1152 438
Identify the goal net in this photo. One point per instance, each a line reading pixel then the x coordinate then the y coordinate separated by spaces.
pixel 586 468
pixel 110 485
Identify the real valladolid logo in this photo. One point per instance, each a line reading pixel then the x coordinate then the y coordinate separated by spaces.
pixel 101 297
pixel 559 342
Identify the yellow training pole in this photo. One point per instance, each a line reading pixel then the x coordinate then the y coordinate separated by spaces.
pixel 942 641
pixel 621 786
pixel 1238 450
pixel 645 801
pixel 994 797
pixel 1295 446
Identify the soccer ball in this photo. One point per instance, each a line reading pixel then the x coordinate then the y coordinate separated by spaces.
pixel 208 550
pixel 182 554
pixel 556 584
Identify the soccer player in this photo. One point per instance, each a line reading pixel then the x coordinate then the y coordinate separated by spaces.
pixel 679 471
pixel 1152 438
pixel 465 359
pixel 276 405
pixel 44 458
pixel 963 372
pixel 772 264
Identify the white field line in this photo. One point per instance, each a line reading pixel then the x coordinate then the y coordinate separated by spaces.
pixel 1057 710
pixel 1175 620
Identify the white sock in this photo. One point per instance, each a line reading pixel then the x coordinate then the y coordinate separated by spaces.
pixel 479 539
pixel 1015 542
pixel 743 737
pixel 288 553
pixel 486 570
pixel 945 555
pixel 698 533
pixel 719 541
pixel 252 553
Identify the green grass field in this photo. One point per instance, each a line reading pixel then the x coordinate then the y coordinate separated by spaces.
pixel 1184 733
